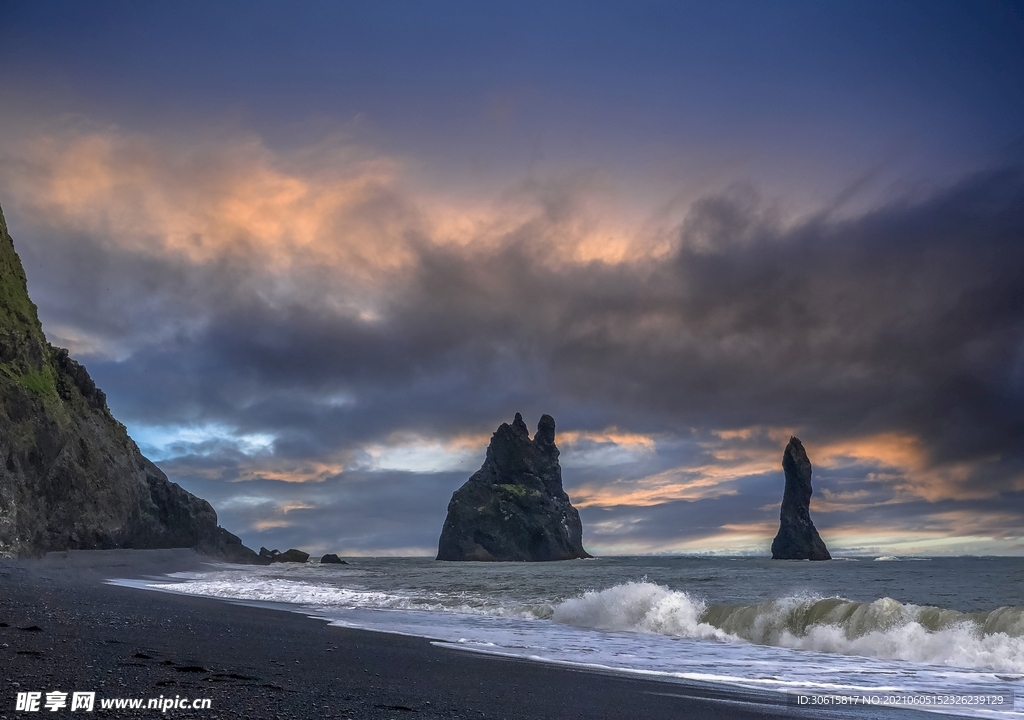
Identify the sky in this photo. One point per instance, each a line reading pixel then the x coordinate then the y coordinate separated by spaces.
pixel 315 254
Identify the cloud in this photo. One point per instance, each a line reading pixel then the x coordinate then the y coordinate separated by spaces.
pixel 360 324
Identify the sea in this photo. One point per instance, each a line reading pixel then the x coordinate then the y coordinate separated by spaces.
pixel 938 635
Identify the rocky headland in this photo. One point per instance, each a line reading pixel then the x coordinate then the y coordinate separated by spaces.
pixel 70 476
pixel 514 508
pixel 797 538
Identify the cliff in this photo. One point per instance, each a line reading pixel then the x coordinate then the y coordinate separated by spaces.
pixel 514 507
pixel 797 538
pixel 70 477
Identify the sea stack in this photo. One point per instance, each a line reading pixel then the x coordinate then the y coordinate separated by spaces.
pixel 797 538
pixel 514 508
pixel 70 477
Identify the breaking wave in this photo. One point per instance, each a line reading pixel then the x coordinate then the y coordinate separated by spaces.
pixel 886 629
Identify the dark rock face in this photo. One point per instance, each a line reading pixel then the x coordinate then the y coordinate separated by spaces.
pixel 332 559
pixel 70 477
pixel 514 507
pixel 293 555
pixel 797 538
pixel 273 556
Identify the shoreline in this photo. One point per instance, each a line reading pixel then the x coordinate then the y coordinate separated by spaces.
pixel 125 642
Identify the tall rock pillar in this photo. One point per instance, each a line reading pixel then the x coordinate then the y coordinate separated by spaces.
pixel 797 538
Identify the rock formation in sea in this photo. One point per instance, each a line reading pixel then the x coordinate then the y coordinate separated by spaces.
pixel 70 477
pixel 797 538
pixel 332 559
pixel 276 556
pixel 514 507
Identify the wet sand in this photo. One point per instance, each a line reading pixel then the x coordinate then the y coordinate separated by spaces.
pixel 63 628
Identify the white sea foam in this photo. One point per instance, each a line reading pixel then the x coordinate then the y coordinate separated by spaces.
pixel 320 595
pixel 639 606
pixel 885 629
pixel 669 627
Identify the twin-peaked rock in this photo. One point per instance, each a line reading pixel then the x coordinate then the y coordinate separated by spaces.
pixel 514 507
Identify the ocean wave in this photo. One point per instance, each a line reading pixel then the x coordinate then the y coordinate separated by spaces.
pixel 884 629
pixel 311 594
pixel 639 606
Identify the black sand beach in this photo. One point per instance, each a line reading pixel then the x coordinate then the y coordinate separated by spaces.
pixel 63 628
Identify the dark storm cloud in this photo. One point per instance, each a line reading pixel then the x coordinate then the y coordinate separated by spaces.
pixel 907 320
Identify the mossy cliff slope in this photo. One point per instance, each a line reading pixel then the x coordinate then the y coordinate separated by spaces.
pixel 70 477
pixel 514 507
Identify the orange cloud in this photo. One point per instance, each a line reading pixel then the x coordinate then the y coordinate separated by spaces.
pixel 903 463
pixel 676 484
pixel 235 199
pixel 918 475
pixel 634 441
pixel 268 467
pixel 332 205
pixel 902 460
pixel 695 482
pixel 305 471
pixel 261 525
pixel 295 505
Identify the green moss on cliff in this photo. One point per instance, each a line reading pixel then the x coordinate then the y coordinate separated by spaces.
pixel 40 382
pixel 16 309
pixel 519 491
pixel 73 478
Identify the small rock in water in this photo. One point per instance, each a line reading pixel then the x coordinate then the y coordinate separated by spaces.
pixel 293 555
